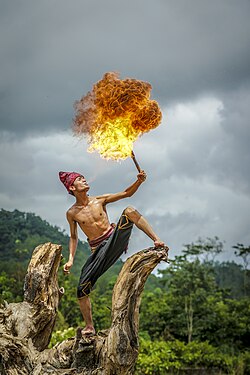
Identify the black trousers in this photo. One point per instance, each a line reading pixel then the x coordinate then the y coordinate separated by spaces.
pixel 104 256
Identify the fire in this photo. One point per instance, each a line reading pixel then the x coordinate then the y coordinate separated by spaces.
pixel 114 114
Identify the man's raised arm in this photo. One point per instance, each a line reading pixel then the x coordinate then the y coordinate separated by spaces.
pixel 72 243
pixel 109 198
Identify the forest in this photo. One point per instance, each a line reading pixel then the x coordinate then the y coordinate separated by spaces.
pixel 194 314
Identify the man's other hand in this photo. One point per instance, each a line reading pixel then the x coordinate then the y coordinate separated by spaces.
pixel 142 176
pixel 67 266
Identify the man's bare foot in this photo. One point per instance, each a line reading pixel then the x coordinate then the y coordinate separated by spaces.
pixel 88 330
pixel 159 243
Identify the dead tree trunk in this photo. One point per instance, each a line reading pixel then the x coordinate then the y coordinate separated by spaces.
pixel 26 327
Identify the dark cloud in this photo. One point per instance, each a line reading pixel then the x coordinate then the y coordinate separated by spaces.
pixel 52 52
pixel 195 54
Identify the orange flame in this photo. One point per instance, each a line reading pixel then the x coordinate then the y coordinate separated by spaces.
pixel 114 114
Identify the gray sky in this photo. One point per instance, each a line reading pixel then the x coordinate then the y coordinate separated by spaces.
pixel 195 54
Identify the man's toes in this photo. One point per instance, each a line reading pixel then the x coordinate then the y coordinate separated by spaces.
pixel 88 331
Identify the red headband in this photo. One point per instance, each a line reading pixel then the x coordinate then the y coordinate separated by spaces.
pixel 68 178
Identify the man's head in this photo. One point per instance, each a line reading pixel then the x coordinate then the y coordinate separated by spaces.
pixel 73 181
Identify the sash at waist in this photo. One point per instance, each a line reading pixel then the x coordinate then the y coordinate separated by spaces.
pixel 97 241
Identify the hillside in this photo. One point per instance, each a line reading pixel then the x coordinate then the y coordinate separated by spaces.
pixel 20 233
pixel 198 309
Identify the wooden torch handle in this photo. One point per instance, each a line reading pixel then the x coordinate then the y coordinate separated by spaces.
pixel 135 161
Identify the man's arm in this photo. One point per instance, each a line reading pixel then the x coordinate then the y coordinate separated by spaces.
pixel 72 243
pixel 109 198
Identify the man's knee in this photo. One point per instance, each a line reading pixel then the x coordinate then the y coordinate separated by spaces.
pixel 132 214
pixel 130 210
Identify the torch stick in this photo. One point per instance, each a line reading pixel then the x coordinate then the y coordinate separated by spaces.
pixel 135 161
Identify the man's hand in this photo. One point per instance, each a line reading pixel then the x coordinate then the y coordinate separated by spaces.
pixel 142 176
pixel 67 266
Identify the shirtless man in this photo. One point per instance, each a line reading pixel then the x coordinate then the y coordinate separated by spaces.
pixel 106 240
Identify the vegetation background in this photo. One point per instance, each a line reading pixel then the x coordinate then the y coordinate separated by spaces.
pixel 194 315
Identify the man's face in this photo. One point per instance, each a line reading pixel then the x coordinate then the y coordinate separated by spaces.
pixel 80 184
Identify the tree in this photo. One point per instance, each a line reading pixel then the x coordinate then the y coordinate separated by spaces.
pixel 26 327
pixel 190 306
pixel 230 278
pixel 188 284
pixel 244 253
pixel 208 249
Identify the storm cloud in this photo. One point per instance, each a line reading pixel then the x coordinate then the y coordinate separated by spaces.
pixel 195 54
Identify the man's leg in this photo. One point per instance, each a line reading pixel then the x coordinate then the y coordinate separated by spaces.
pixel 143 225
pixel 85 307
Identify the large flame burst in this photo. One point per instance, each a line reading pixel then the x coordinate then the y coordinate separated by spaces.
pixel 114 114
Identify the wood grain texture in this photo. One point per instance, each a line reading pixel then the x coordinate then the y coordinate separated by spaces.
pixel 26 327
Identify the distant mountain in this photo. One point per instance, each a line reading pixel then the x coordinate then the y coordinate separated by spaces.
pixel 21 232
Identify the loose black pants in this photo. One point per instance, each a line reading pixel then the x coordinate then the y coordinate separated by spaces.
pixel 104 256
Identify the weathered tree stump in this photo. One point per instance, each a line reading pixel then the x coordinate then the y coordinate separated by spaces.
pixel 26 327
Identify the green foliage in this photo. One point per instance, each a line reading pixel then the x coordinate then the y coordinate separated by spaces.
pixel 196 314
pixel 20 233
pixel 7 285
pixel 153 282
pixel 208 249
pixel 190 306
pixel 188 285
pixel 227 324
pixel 154 312
pixel 59 336
pixel 69 305
pixel 244 363
pixel 244 252
pixel 160 358
pixel 229 276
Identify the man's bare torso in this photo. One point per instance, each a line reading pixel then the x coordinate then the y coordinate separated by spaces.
pixel 92 218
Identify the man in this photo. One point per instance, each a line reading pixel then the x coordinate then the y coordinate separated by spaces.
pixel 107 241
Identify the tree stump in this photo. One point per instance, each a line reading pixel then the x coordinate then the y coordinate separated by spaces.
pixel 26 327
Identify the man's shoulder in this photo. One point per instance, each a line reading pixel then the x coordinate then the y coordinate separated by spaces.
pixel 71 210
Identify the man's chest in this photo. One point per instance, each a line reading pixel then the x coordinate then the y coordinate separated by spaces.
pixel 91 213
